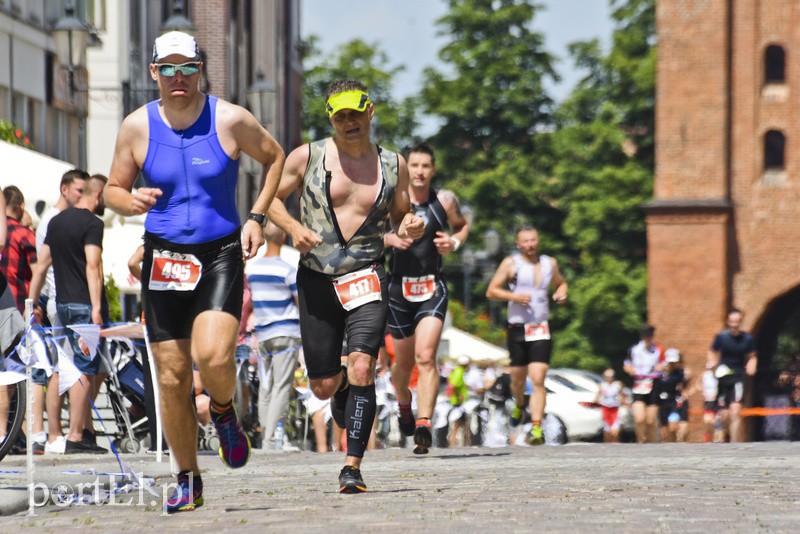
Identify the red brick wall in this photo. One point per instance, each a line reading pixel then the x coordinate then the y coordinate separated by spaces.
pixel 767 208
pixel 711 120
pixel 211 17
pixel 692 99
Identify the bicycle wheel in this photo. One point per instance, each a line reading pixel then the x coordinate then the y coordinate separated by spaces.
pixel 12 404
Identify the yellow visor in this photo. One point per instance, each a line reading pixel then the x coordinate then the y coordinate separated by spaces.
pixel 355 99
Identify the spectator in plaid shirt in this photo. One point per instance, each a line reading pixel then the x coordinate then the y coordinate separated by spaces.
pixel 19 252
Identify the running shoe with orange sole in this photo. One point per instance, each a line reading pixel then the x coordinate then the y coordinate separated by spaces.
pixel 422 436
pixel 350 480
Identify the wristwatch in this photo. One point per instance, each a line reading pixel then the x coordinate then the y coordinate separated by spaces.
pixel 260 218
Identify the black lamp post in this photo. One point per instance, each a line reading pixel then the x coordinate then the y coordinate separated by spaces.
pixel 71 35
pixel 178 22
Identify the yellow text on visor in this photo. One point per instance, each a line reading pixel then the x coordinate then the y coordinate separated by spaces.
pixel 355 99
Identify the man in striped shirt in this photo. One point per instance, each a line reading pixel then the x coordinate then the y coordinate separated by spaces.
pixel 274 292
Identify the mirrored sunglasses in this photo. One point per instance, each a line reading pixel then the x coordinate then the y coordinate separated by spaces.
pixel 169 70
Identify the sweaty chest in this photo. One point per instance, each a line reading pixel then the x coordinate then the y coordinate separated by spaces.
pixel 354 191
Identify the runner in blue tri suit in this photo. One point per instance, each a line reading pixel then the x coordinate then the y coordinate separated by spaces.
pixel 187 146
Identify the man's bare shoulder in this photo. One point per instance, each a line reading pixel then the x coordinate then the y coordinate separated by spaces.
pixel 231 114
pixel 134 124
pixel 298 158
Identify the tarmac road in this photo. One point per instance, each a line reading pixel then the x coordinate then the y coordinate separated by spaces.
pixel 750 487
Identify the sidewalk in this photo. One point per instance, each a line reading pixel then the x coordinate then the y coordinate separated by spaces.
pixel 576 488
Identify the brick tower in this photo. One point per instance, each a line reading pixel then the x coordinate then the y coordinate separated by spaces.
pixel 722 227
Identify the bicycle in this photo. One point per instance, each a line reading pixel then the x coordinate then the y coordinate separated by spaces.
pixel 12 409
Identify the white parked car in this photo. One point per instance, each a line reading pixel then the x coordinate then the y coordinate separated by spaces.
pixel 590 382
pixel 571 414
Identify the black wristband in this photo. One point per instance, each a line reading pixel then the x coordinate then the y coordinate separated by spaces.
pixel 260 218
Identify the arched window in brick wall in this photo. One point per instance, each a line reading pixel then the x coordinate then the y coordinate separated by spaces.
pixel 774 65
pixel 774 151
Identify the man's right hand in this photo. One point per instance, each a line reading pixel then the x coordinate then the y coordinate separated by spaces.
pixel 392 240
pixel 144 199
pixel 304 239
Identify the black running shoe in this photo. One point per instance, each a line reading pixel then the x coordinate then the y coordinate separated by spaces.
pixel 350 480
pixel 82 447
pixel 422 437
pixel 339 401
pixel 406 419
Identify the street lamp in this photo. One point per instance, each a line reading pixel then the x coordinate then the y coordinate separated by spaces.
pixel 71 36
pixel 262 97
pixel 486 260
pixel 178 21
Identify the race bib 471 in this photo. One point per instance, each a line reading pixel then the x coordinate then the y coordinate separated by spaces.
pixel 173 271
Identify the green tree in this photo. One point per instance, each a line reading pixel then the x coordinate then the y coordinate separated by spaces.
pixel 394 122
pixel 491 95
pixel 603 157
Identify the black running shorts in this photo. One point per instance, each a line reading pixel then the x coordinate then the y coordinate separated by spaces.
pixel 170 314
pixel 521 352
pixel 730 390
pixel 324 322
pixel 404 316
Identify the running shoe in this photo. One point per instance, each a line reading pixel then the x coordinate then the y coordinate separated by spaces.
pixel 422 436
pixel 406 419
pixel 57 446
pixel 350 480
pixel 536 437
pixel 516 416
pixel 339 401
pixel 234 445
pixel 187 496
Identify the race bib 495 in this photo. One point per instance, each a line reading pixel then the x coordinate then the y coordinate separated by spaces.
pixel 173 271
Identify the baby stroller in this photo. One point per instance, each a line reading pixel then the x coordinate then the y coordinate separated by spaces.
pixel 125 386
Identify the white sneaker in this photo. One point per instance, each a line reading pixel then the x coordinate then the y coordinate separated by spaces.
pixel 57 446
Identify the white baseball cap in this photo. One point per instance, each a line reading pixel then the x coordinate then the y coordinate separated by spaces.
pixel 463 360
pixel 672 355
pixel 178 43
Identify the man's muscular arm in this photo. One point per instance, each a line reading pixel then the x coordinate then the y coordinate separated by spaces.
pixel 458 224
pixel 252 139
pixel 303 239
pixel 404 223
pixel 125 168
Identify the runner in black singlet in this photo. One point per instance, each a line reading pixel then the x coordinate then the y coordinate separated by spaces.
pixel 418 293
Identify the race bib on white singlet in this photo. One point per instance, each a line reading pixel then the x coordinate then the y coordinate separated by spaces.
pixel 358 288
pixel 537 331
pixel 419 289
pixel 642 386
pixel 173 271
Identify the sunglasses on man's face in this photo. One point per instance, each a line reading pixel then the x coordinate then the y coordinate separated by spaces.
pixel 169 70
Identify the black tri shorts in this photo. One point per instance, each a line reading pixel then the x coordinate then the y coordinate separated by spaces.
pixel 404 315
pixel 522 352
pixel 170 314
pixel 324 322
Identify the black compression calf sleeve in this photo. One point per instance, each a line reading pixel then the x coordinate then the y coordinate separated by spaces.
pixel 359 413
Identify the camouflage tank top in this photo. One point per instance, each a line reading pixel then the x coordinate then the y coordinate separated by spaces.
pixel 334 255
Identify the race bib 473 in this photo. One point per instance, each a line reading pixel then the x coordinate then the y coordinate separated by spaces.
pixel 419 289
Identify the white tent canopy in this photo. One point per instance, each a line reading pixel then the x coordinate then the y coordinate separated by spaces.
pixel 456 343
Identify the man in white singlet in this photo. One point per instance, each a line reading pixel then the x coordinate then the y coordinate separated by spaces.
pixel 524 280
